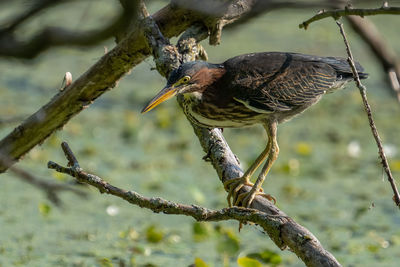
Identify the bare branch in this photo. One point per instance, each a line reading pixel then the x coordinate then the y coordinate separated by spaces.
pixel 158 45
pixel 51 189
pixel 158 204
pixel 218 13
pixel 264 6
pixel 283 230
pixel 336 14
pixel 367 107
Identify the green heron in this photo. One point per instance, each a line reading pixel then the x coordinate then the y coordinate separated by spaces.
pixel 267 88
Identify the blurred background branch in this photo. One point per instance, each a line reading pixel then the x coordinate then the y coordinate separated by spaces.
pixel 11 120
pixel 56 36
pixel 36 7
pixel 50 188
pixel 383 52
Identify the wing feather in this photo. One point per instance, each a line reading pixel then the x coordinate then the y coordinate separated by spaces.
pixel 279 81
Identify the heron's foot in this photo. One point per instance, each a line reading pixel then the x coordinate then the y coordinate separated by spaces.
pixel 234 185
pixel 245 199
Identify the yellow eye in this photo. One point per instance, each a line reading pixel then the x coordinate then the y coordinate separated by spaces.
pixel 185 79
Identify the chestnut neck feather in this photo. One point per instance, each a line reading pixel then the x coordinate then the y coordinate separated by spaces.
pixel 205 77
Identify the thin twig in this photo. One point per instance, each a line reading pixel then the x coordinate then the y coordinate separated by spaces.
pixel 51 189
pixel 336 14
pixel 161 205
pixel 72 161
pixel 367 107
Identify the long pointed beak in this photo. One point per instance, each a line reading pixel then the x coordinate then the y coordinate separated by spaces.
pixel 164 94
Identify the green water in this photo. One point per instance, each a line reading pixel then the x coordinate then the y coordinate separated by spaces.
pixel 315 179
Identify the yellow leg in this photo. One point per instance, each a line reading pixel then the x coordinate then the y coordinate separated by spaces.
pixel 234 185
pixel 246 198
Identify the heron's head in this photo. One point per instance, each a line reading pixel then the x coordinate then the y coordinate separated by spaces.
pixel 190 77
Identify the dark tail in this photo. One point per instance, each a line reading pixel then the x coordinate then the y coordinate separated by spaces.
pixel 343 69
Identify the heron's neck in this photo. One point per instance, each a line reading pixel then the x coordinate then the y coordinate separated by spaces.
pixel 192 97
pixel 213 74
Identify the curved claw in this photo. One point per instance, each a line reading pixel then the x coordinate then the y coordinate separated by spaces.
pixel 247 198
pixel 269 197
pixel 233 186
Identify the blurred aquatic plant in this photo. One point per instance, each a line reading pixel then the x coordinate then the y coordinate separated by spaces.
pixel 227 241
pixel 201 231
pixel 248 262
pixel 44 209
pixel 154 234
pixel 266 256
pixel 198 262
pixel 303 149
